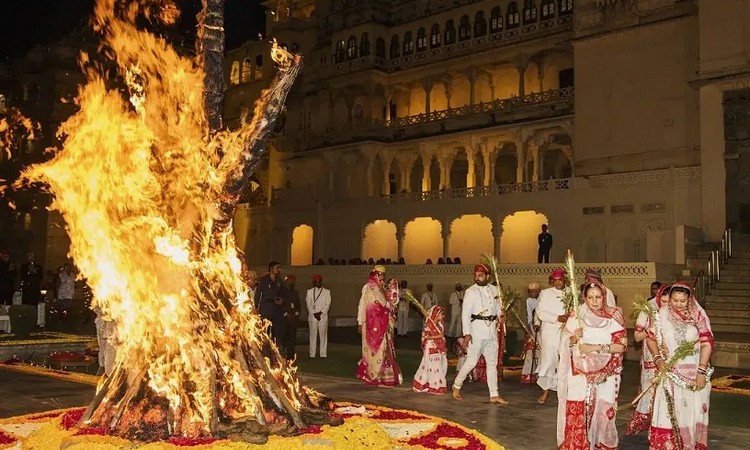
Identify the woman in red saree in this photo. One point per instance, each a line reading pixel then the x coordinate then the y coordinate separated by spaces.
pixel 430 376
pixel 378 365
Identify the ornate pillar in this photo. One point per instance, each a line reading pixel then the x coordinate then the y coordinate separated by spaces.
pixel 488 166
pixel 471 74
pixel 386 157
pixel 446 234
pixel 533 149
pixel 445 159
pixel 448 88
pixel 388 97
pixel 405 161
pixel 471 175
pixel 400 239
pixel 426 152
pixel 497 236
pixel 521 68
pixel 427 86
pixel 369 155
pixel 520 162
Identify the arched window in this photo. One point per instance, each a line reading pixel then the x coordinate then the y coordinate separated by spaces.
pixel 234 75
pixel 450 32
pixel 496 20
pixel 566 7
pixel 548 9
pixel 514 18
pixel 464 29
pixel 380 47
pixel 340 51
pixel 421 39
pixel 529 11
pixel 480 24
pixel 364 45
pixel 351 48
pixel 395 47
pixel 408 43
pixel 247 71
pixel 259 67
pixel 435 36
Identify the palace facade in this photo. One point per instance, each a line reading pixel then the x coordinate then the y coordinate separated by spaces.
pixel 426 129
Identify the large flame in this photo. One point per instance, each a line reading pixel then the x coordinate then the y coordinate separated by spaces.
pixel 139 182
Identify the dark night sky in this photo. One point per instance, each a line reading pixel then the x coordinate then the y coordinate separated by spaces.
pixel 28 22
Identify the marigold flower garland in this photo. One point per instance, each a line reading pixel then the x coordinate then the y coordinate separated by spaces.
pixel 365 426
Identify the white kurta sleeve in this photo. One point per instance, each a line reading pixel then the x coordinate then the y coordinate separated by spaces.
pixel 470 298
pixel 325 301
pixel 546 311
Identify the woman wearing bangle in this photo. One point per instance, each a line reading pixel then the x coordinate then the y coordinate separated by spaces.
pixel 681 400
pixel 592 365
pixel 641 419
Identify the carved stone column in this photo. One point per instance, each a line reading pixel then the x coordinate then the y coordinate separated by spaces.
pixel 533 149
pixel 400 239
pixel 521 68
pixel 331 159
pixel 445 232
pixel 445 159
pixel 426 152
pixel 471 74
pixel 368 153
pixel 427 86
pixel 488 166
pixel 405 161
pixel 471 175
pixel 540 74
pixel 520 162
pixel 448 88
pixel 388 95
pixel 497 236
pixel 386 157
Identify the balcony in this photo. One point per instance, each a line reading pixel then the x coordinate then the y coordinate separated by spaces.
pixel 535 106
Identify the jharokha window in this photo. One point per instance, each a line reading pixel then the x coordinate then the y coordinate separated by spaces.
pixel 529 11
pixel 566 7
pixel 548 9
pixel 450 32
pixel 480 24
pixel 351 48
pixel 340 51
pixel 514 17
pixel 496 20
pixel 435 36
pixel 408 43
pixel 395 47
pixel 464 29
pixel 421 40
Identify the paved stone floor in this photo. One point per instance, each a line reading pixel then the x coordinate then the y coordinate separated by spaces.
pixel 522 425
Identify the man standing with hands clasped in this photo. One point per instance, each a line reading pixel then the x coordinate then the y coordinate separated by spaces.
pixel 482 311
pixel 318 302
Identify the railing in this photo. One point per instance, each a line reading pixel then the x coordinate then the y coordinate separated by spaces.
pixel 702 287
pixel 719 257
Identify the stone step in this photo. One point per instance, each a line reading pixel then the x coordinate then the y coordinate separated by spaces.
pixel 720 292
pixel 728 271
pixel 730 328
pixel 719 315
pixel 734 353
pixel 734 278
pixel 735 285
pixel 712 306
pixel 714 298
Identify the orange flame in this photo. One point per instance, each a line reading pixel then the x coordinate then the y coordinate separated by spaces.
pixel 137 183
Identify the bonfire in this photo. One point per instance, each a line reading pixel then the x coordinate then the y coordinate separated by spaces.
pixel 147 184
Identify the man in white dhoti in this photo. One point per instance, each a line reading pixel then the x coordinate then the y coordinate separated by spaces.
pixel 594 276
pixel 482 311
pixel 456 301
pixel 551 314
pixel 318 301
pixel 402 325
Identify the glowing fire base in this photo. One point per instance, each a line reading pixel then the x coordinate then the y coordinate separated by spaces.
pixel 365 426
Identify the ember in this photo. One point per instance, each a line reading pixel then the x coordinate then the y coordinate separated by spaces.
pixel 148 187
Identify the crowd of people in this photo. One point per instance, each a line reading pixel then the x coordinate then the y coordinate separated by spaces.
pixel 573 348
pixel 380 261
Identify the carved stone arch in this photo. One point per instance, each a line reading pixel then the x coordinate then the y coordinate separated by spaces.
pixel 470 236
pixel 518 243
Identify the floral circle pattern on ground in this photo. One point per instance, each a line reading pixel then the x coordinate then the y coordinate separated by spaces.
pixel 365 426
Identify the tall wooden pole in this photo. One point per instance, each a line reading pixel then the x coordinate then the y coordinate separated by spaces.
pixel 210 48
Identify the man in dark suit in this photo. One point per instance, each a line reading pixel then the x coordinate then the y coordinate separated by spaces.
pixel 270 296
pixel 545 245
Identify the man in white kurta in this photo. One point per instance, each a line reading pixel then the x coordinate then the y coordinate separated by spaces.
pixel 318 302
pixel 551 314
pixel 595 276
pixel 482 310
pixel 429 298
pixel 456 301
pixel 380 270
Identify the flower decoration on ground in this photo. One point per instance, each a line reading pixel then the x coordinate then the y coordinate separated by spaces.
pixel 365 426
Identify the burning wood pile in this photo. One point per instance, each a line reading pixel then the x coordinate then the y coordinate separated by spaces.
pixel 148 186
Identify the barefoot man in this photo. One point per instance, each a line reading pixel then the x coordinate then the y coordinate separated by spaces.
pixel 551 314
pixel 482 310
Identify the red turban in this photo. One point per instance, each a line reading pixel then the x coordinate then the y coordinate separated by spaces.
pixel 481 268
pixel 557 274
pixel 290 277
pixel 317 277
